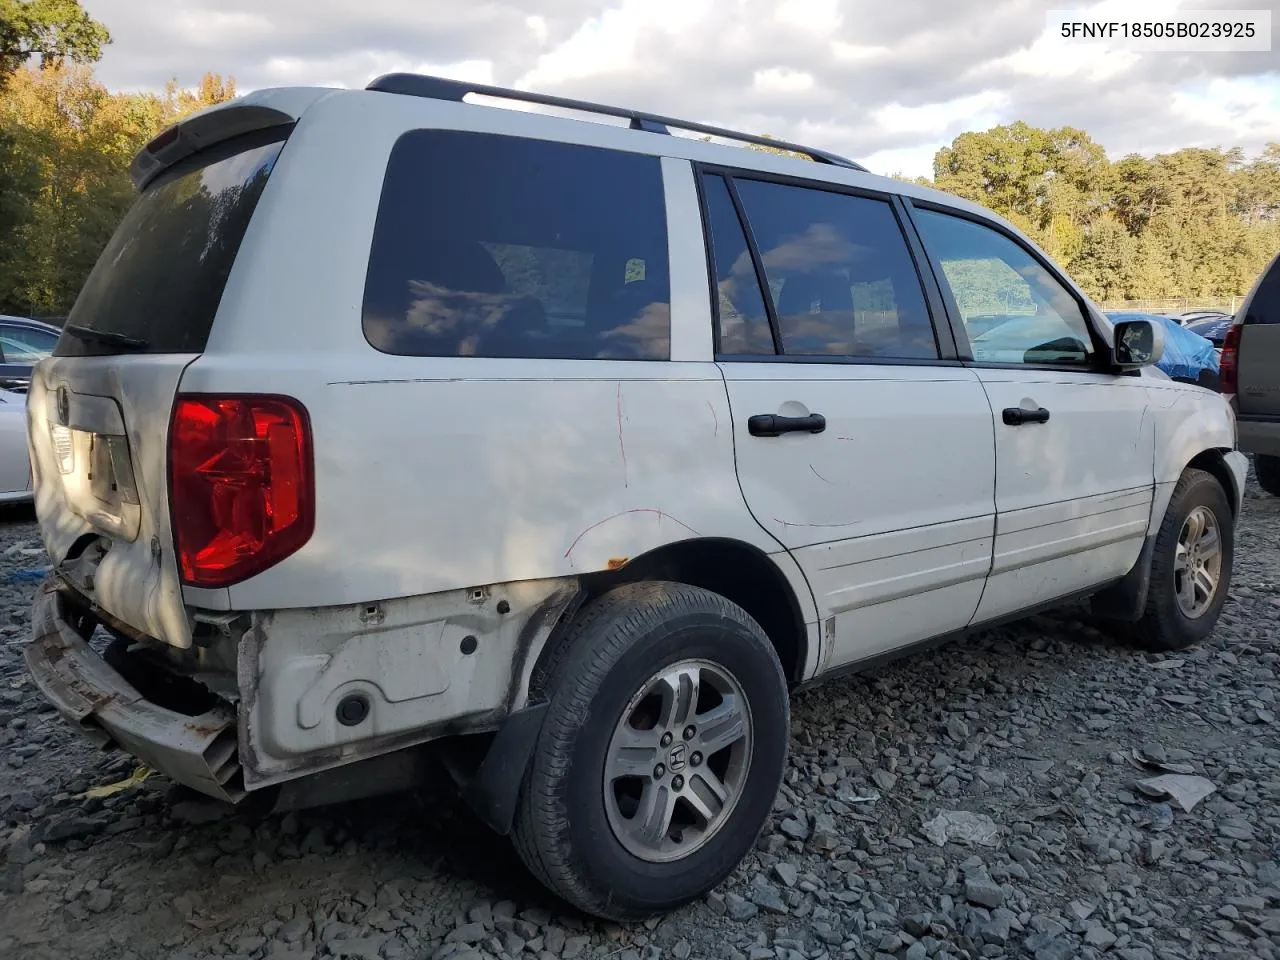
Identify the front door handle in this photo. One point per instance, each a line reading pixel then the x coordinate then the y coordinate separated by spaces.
pixel 773 425
pixel 1017 416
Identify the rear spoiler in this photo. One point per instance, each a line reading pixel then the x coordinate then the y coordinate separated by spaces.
pixel 252 112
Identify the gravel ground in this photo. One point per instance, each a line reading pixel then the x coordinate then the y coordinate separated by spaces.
pixel 1044 728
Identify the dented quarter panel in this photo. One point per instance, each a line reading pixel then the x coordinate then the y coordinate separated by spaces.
pixel 406 656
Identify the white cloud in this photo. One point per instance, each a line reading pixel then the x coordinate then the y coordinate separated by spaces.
pixel 972 112
pixel 818 16
pixel 885 83
pixel 607 43
pixel 537 26
pixel 782 80
pixel 1243 108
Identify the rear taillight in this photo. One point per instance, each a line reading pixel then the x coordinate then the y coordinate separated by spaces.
pixel 1229 362
pixel 241 485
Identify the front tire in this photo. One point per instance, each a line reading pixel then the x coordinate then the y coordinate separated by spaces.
pixel 1190 566
pixel 660 755
pixel 1267 470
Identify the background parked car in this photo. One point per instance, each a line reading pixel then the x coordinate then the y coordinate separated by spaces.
pixel 1251 375
pixel 1194 316
pixel 23 342
pixel 15 464
pixel 1212 328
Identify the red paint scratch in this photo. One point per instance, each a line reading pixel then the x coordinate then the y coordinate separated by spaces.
pixel 626 479
pixel 658 513
pixel 714 416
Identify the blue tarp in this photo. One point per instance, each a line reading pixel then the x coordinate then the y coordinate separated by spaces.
pixel 1186 354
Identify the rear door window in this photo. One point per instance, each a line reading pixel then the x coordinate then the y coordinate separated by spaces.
pixel 839 272
pixel 157 285
pixel 498 246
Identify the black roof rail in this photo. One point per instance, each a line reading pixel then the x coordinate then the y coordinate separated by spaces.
pixel 439 88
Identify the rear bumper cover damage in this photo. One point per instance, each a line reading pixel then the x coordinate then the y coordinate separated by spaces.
pixel 285 660
pixel 199 752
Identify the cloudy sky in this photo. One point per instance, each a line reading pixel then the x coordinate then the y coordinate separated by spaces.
pixel 884 81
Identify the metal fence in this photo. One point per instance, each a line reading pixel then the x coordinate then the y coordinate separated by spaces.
pixel 1172 306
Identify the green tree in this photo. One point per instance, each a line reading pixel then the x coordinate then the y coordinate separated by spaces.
pixel 71 145
pixel 53 30
pixel 1193 222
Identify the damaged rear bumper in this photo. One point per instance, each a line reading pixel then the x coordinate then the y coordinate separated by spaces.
pixel 199 752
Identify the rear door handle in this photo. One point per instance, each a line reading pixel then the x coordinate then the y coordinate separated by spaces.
pixel 1017 416
pixel 773 425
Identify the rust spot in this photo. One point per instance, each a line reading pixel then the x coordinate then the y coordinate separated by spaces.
pixel 617 563
pixel 205 729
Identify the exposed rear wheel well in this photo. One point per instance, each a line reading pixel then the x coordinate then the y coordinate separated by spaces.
pixel 735 570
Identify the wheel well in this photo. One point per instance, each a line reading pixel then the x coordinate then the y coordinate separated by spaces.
pixel 1213 463
pixel 735 570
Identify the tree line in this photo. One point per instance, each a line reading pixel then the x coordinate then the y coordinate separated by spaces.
pixel 1197 222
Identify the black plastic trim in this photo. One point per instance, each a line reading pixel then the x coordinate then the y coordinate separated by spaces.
pixel 439 88
pixel 494 789
pixel 943 334
pixel 1126 599
pixel 757 262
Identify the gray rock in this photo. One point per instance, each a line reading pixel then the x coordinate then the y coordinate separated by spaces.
pixel 1057 949
pixel 467 933
pixel 196 812
pixel 739 908
pixel 1099 936
pixel 363 948
pixel 984 893
pixel 766 897
pixel 795 829
pixel 294 930
pixel 786 872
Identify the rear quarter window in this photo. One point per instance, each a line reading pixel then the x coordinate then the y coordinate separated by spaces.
pixel 497 246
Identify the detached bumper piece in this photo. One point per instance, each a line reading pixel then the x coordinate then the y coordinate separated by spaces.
pixel 197 751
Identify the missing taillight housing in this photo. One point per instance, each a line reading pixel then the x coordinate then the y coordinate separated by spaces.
pixel 1229 362
pixel 241 485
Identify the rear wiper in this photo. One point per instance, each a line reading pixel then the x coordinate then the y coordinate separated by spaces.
pixel 108 338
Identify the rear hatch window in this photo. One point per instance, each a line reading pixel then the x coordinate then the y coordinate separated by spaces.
pixel 158 282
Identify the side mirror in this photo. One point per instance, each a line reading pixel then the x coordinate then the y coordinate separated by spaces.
pixel 1139 343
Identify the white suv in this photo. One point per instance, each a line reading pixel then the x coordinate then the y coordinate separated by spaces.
pixel 387 418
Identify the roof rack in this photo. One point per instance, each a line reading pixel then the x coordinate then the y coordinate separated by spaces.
pixel 439 88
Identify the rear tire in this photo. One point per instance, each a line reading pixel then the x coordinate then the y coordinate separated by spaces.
pixel 1190 566
pixel 1267 470
pixel 690 671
